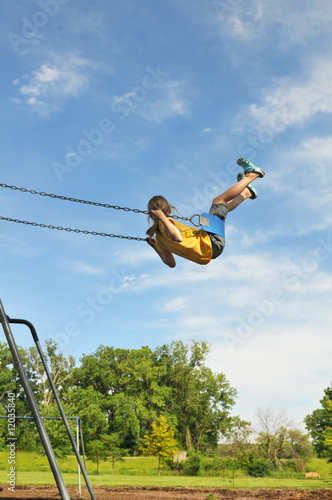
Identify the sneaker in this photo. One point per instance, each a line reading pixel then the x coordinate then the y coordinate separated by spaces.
pixel 250 167
pixel 253 191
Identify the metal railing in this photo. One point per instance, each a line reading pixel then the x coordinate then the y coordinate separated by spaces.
pixel 5 322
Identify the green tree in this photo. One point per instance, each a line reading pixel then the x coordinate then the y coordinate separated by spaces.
pixel 7 374
pixel 298 446
pixel 318 424
pixel 160 442
pixel 56 429
pixel 113 450
pixel 328 430
pixel 59 365
pixel 278 441
pixel 237 441
pixel 200 400
pixel 272 435
pixel 97 452
pixel 129 383
pixel 11 383
pixel 87 405
pixel 107 447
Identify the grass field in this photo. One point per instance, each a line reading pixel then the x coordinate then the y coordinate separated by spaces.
pixel 32 468
pixel 41 478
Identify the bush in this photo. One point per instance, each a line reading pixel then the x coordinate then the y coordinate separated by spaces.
pixel 192 465
pixel 210 465
pixel 256 467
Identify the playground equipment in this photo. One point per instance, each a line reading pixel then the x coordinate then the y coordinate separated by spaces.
pixel 5 322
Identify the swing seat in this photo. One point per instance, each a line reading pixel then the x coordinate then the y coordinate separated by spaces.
pixel 212 224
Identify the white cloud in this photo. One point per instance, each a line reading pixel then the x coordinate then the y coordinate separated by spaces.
pixel 295 23
pixel 255 19
pixel 45 89
pixel 41 78
pixel 254 290
pixel 84 269
pixel 277 367
pixel 136 256
pixel 316 152
pixel 167 100
pixel 293 101
pixel 174 305
pixel 299 177
pixel 172 101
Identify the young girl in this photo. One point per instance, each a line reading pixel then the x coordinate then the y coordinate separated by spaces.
pixel 197 245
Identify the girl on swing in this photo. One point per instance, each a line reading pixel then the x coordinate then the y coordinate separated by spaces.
pixel 167 236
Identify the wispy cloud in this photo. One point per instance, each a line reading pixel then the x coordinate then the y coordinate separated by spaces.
pixel 175 305
pixel 174 101
pixel 157 98
pixel 316 151
pixel 295 100
pixel 84 269
pixel 291 23
pixel 282 362
pixel 46 89
pixel 237 283
pixel 136 256
pixel 299 179
pixel 12 246
pixel 295 23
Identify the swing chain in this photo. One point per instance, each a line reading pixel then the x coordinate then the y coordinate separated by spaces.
pixel 85 202
pixel 77 200
pixel 68 229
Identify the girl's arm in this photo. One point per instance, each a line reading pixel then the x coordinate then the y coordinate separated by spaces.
pixel 166 257
pixel 172 231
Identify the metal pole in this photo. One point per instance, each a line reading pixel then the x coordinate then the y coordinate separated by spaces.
pixel 57 399
pixel 78 429
pixel 78 465
pixel 43 418
pixel 82 441
pixel 33 406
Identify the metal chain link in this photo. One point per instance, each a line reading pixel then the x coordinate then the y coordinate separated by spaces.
pixel 84 231
pixel 77 200
pixel 86 202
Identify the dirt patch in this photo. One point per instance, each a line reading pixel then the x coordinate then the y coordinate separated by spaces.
pixel 108 493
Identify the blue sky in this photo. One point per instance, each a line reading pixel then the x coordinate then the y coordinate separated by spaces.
pixel 118 101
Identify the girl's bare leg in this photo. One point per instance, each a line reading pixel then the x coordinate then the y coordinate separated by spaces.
pixel 238 199
pixel 238 189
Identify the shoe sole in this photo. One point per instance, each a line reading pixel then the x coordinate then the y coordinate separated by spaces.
pixel 250 167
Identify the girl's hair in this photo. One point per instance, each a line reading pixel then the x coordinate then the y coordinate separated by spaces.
pixel 158 203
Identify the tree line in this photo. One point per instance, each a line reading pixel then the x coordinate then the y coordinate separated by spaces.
pixel 120 394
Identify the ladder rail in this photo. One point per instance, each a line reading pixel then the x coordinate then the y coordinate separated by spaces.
pixel 33 406
pixel 58 401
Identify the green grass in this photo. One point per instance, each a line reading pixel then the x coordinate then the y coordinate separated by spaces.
pixel 175 481
pixel 32 468
pixel 323 467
